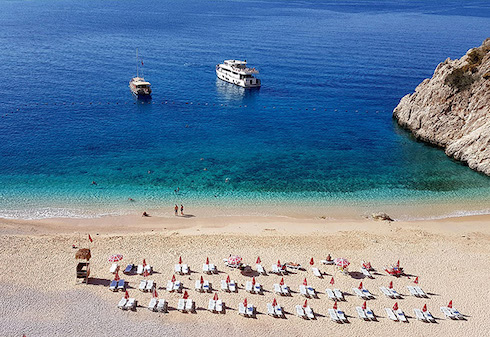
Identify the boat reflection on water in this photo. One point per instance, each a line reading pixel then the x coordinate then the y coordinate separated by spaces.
pixel 235 93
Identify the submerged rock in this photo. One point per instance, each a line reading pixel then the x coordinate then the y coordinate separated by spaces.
pixel 381 216
pixel 452 109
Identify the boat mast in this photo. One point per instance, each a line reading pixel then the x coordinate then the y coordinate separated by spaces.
pixel 137 62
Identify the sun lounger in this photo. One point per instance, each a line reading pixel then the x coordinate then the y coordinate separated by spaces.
pixel 370 314
pixel 419 315
pixel 232 286
pixel 359 293
pixel 181 305
pixel 129 269
pixel 241 309
pixel 142 286
pixel 428 316
pixel 170 286
pixel 278 311
pixel 302 291
pixel 456 313
pixel 387 292
pixel 224 286
pixel 121 285
pixel 198 286
pixel 341 316
pixel 339 295
pixel 251 311
pixel 207 287
pixel 185 269
pixel 333 315
pixel 260 269
pixel 285 290
pixel 275 269
pixel 249 287
pixel 114 268
pixel 270 310
pixel 162 305
pixel 391 315
pixel 401 315
pixel 130 304
pixel 150 284
pixel 367 293
pixel 420 291
pixel 113 285
pixel 148 268
pixel 122 303
pixel 153 304
pixel 327 262
pixel 212 305
pixel 316 272
pixel 277 289
pixel 366 272
pixel 219 306
pixel 412 291
pixel 205 268
pixel 257 288
pixel 212 268
pixel 448 313
pixel 189 305
pixel 361 313
pixel 309 313
pixel 139 270
pixel 311 292
pixel 300 312
pixel 394 293
pixel 330 294
pixel 177 286
pixel 178 269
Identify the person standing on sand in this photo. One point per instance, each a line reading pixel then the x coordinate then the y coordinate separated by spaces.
pixel 181 210
pixel 176 209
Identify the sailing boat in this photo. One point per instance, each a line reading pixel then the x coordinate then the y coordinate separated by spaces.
pixel 139 87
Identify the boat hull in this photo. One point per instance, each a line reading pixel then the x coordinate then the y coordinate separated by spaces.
pixel 230 79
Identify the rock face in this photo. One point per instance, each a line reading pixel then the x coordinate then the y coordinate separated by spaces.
pixel 452 109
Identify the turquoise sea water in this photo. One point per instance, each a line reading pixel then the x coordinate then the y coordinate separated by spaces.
pixel 319 131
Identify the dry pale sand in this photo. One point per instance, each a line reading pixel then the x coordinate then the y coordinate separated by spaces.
pixel 38 295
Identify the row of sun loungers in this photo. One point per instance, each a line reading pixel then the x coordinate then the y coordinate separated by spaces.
pixel 307 291
pixel 186 305
pixel 275 311
pixel 337 316
pixel 133 269
pixel 209 268
pixel 203 287
pixel 365 314
pixel 216 306
pixel 282 290
pixel 363 293
pixel 174 286
pixel 305 312
pixel 147 285
pixel 335 294
pixel 117 285
pixel 390 292
pixel 451 313
pixel 424 316
pixel 158 305
pixel 366 272
pixel 416 291
pixel 248 311
pixel 182 269
pixel 253 288
pixel 127 304
pixel 396 315
pixel 228 286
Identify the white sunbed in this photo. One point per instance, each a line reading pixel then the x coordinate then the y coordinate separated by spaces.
pixel 311 292
pixel 316 272
pixel 130 304
pixel 139 271
pixel 428 316
pixel 401 315
pixel 391 315
pixel 142 285
pixel 277 289
pixel 275 269
pixel 232 286
pixel 456 313
pixel 278 311
pixel 333 315
pixel 153 304
pixel 224 286
pixel 219 306
pixel 113 285
pixel 241 309
pixel 198 286
pixel 366 272
pixel 212 268
pixel 420 291
pixel 285 290
pixel 148 268
pixel 359 293
pixel 249 287
pixel 205 268
pixel 181 305
pixel 370 314
pixel 260 269
pixel 170 286
pixel 412 291
pixel 257 288
pixel 386 292
pixel 300 312
pixel 189 305
pixel 367 293
pixel 341 315
pixel 361 313
pixel 121 285
pixel 270 310
pixel 394 293
pixel 330 294
pixel 302 291
pixel 177 286
pixel 207 287
pixel 339 295
pixel 251 311
pixel 448 313
pixel 162 305
pixel 150 284
pixel 178 269
pixel 419 315
pixel 309 313
pixel 212 305
pixel 122 303
pixel 114 268
pixel 185 269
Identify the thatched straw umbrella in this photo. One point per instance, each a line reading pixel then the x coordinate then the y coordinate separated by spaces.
pixel 83 254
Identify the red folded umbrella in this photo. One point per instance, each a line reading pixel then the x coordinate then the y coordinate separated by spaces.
pixel 186 295
pixel 282 281
pixel 258 260
pixel 253 280
pixel 278 263
pixel 312 262
pixel 364 305
pixel 304 282
pixel 391 285
pixel 416 280
pixel 173 278
pixel 395 307
pixel 245 303
pixel 202 280
pixel 424 309
pixel 332 281
pixel 274 302
pixel 180 259
pixel 398 264
pixel 215 296
pixel 144 263
pixel 450 305
pixel 145 273
pixel 305 304
pixel 116 277
pixel 155 294
pixel 126 295
pixel 207 260
pixel 335 305
pixel 360 285
pixel 228 279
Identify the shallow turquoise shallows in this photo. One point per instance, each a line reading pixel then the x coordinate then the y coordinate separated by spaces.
pixel 319 130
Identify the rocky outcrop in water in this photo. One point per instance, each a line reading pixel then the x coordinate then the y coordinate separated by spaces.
pixel 452 109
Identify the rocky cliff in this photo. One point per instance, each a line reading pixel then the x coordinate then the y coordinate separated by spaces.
pixel 452 109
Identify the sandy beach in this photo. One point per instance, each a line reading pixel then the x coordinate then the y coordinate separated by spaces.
pixel 40 298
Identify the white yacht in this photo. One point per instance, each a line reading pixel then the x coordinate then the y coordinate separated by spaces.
pixel 236 72
pixel 138 85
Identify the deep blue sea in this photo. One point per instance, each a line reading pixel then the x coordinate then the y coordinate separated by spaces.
pixel 319 131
